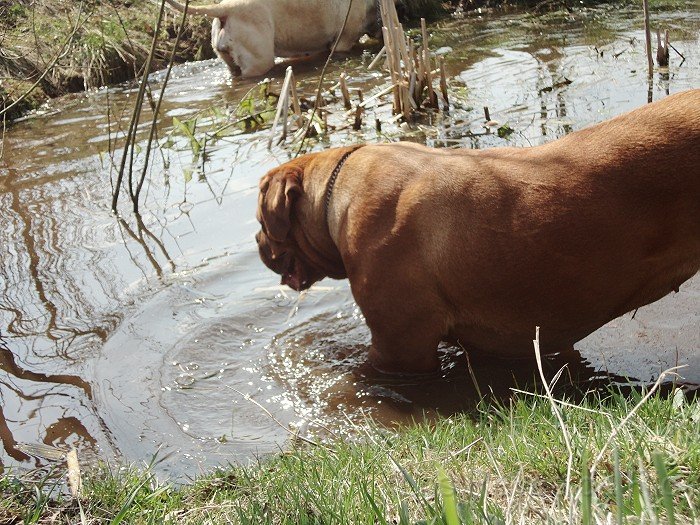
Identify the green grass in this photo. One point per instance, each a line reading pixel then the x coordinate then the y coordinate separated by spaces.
pixel 88 44
pixel 507 464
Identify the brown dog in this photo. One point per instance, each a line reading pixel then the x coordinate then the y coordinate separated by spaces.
pixel 482 246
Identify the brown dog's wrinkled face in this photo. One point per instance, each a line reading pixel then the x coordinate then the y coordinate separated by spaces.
pixel 278 249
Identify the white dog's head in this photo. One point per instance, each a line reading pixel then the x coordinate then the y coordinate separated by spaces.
pixel 223 43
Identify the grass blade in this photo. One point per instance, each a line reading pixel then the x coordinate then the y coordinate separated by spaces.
pixel 586 492
pixel 664 486
pixel 619 502
pixel 449 504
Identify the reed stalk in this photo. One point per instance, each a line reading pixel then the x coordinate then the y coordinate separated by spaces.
pixel 409 67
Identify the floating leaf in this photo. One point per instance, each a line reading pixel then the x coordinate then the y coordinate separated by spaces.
pixel 504 131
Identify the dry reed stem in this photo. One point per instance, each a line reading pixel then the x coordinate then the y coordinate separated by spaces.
pixel 662 50
pixel 357 125
pixel 410 69
pixel 443 84
pixel 295 99
pixel 344 90
pixel 557 413
pixel 282 107
pixel 392 70
pixel 4 131
pixel 647 34
pixel 75 480
pixel 426 64
pixel 285 119
pixel 378 58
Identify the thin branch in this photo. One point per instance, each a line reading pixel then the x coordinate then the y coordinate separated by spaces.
pixel 156 111
pixel 131 134
pixel 317 102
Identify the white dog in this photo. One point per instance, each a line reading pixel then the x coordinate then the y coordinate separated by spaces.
pixel 249 34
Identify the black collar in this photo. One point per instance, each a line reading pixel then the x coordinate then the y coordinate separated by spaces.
pixel 331 180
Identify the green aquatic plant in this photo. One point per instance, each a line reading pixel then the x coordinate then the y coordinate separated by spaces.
pixel 257 108
pixel 187 128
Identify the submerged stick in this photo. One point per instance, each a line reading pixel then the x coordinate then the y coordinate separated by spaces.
pixel 344 90
pixel 357 125
pixel 678 52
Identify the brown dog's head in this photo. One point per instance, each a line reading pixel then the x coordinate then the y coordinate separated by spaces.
pixel 280 188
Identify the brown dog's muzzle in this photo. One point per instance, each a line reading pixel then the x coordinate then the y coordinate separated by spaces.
pixel 279 189
pixel 282 260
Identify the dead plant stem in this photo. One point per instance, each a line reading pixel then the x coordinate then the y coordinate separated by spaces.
pixel 133 125
pixel 317 102
pixel 156 111
pixel 557 413
pixel 647 34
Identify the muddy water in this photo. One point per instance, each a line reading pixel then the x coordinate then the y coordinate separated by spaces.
pixel 167 337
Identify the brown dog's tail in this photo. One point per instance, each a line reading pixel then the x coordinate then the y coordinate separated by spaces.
pixel 212 10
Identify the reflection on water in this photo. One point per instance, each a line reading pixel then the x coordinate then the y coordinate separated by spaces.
pixel 164 334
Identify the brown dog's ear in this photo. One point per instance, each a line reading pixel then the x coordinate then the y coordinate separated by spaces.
pixel 278 191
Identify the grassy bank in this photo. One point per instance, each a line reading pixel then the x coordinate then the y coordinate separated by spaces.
pixel 50 48
pixel 611 458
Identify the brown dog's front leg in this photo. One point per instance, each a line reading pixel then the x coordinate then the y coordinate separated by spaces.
pixel 405 348
pixel 404 315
